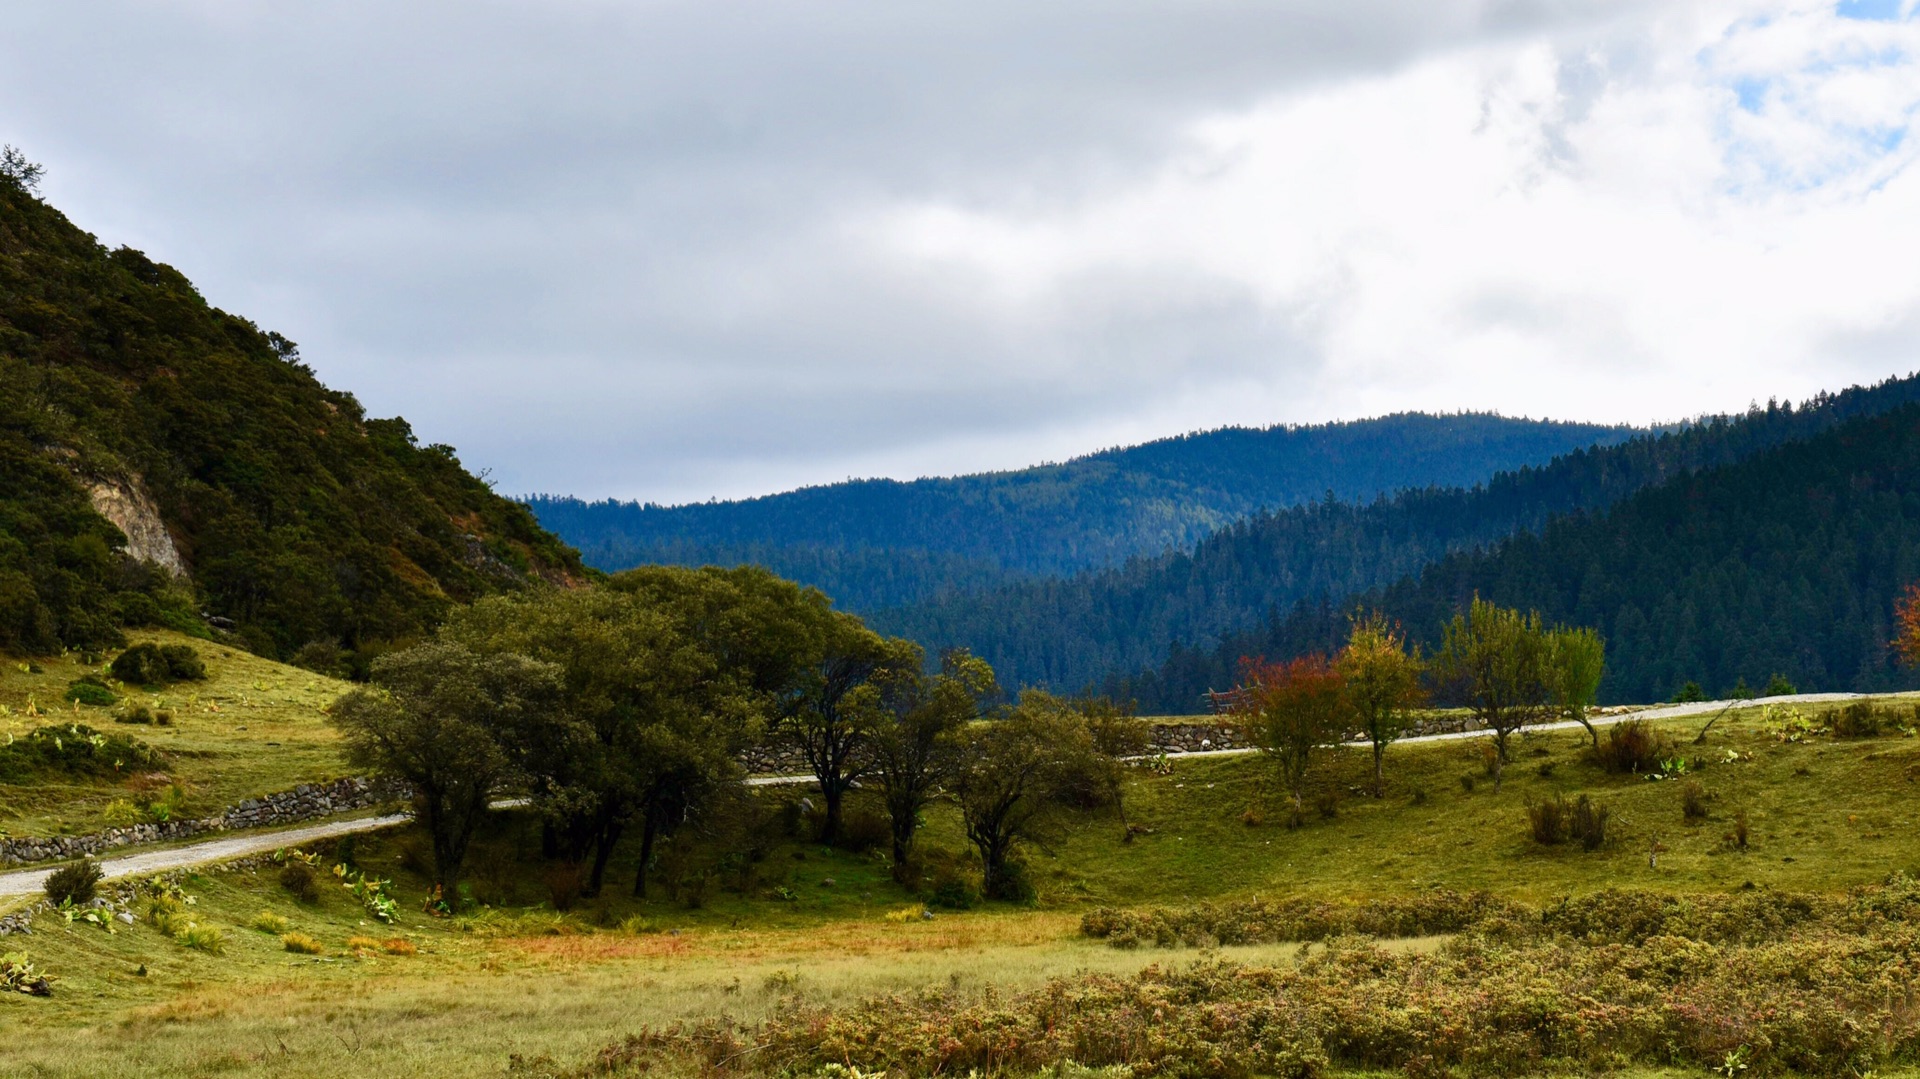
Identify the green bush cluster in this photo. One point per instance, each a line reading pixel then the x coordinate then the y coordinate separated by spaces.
pixel 90 690
pixel 73 750
pixel 73 884
pixel 1821 990
pixel 1265 921
pixel 158 664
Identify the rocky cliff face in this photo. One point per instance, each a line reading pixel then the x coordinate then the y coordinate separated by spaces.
pixel 126 503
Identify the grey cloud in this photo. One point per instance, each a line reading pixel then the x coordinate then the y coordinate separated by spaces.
pixel 594 244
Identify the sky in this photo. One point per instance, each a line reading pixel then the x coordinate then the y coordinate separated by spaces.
pixel 672 251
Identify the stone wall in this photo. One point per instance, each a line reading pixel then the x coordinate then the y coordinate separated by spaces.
pixel 305 802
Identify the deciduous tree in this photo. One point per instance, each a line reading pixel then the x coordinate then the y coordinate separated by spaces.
pixel 1496 660
pixel 432 719
pixel 920 716
pixel 1289 710
pixel 1576 661
pixel 1382 682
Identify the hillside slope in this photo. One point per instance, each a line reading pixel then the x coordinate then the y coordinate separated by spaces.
pixel 1786 563
pixel 878 543
pixel 1078 631
pixel 219 456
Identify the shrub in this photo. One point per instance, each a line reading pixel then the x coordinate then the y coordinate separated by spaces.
pixel 864 830
pixel 564 881
pixel 358 943
pixel 74 883
pixel 268 922
pixel 1779 686
pixel 1693 801
pixel 156 665
pixel 91 691
pixel 299 880
pixel 953 889
pixel 1327 804
pixel 1858 720
pixel 1271 921
pixel 301 944
pixel 1689 693
pixel 74 750
pixel 1467 784
pixel 1741 834
pixel 202 938
pixel 1587 823
pixel 321 657
pixel 1547 820
pixel 1634 746
pixel 398 946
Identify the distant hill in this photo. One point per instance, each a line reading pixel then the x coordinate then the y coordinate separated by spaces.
pixel 1786 563
pixel 160 457
pixel 879 543
pixel 1083 630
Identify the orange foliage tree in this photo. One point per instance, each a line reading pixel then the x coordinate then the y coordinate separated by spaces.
pixel 1906 619
pixel 1289 710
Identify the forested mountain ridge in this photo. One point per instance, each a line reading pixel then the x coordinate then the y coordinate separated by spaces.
pixel 294 515
pixel 1083 630
pixel 1787 563
pixel 879 543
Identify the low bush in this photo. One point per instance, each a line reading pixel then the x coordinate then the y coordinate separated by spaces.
pixel 301 944
pixel 358 943
pixel 1862 720
pixel 202 938
pixel 158 665
pixel 1269 921
pixel 1693 800
pixel 862 830
pixel 91 691
pixel 952 887
pixel 564 882
pixel 74 883
pixel 142 715
pixel 399 946
pixel 268 922
pixel 1634 746
pixel 1547 820
pixel 1587 823
pixel 300 881
pixel 74 750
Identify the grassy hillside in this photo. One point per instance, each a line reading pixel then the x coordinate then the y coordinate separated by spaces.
pixel 296 516
pixel 1826 814
pixel 1087 629
pixel 1786 563
pixel 880 543
pixel 252 727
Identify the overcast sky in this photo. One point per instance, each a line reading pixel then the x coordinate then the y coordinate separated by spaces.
pixel 671 251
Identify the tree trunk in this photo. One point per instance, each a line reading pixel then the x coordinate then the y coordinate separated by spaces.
pixel 602 852
pixel 648 831
pixel 832 794
pixel 549 840
pixel 1379 782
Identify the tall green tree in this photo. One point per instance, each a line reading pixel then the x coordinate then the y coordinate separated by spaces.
pixel 1382 684
pixel 432 719
pixel 831 721
pixel 1576 662
pixel 1014 776
pixel 1498 661
pixel 648 721
pixel 921 716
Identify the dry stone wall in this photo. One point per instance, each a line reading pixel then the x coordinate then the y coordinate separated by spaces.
pixel 305 802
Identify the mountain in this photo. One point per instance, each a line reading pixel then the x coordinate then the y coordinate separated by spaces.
pixel 1786 563
pixel 1080 631
pixel 880 543
pixel 160 458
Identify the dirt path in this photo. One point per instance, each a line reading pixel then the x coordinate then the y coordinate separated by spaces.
pixel 29 881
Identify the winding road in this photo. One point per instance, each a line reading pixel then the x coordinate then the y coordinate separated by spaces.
pixel 29 881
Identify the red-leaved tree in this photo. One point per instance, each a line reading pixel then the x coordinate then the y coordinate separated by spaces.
pixel 1906 619
pixel 1289 710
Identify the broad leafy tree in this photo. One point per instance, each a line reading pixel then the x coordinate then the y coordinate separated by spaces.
pixel 920 717
pixel 1382 683
pixel 831 721
pixel 431 719
pixel 1289 710
pixel 1013 776
pixel 1498 661
pixel 1576 661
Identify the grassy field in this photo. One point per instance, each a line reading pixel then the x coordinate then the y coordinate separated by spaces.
pixel 522 980
pixel 253 727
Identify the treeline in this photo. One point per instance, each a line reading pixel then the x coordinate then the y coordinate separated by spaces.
pixel 1085 630
pixel 298 517
pixel 881 543
pixel 1788 564
pixel 621 710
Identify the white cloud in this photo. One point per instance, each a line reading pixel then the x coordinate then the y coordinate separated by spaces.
pixel 676 249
